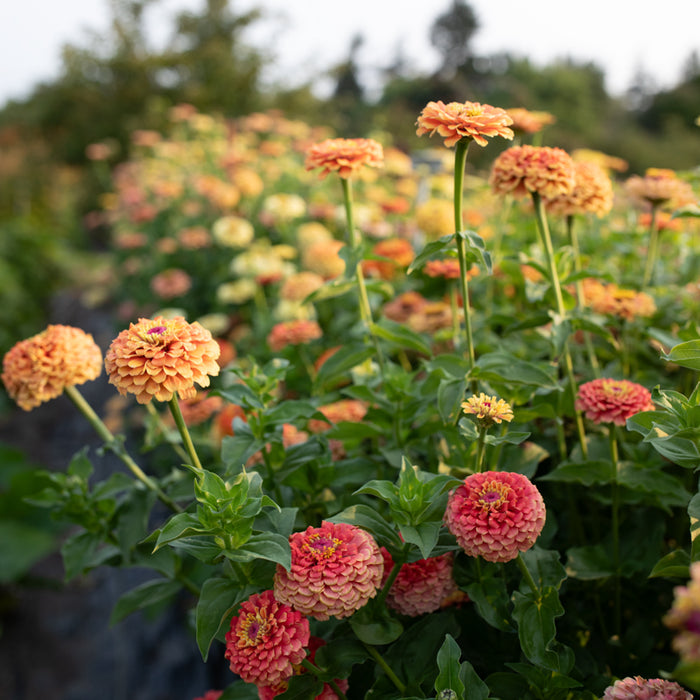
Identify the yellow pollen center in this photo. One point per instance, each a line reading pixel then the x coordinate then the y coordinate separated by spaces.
pixel 321 546
pixel 157 334
pixel 493 494
pixel 252 629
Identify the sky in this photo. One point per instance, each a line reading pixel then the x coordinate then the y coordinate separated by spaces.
pixel 622 37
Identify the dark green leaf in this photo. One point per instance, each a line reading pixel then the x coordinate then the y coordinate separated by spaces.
pixel 142 596
pixel 400 337
pixel 449 667
pixel 589 562
pixel 595 471
pixel 180 525
pixel 337 367
pixel 369 519
pixel 685 354
pixel 676 564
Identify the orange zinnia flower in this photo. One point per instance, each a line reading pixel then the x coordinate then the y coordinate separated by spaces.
pixel 344 156
pixel 660 186
pixel 528 122
pixel 297 332
pixel 158 358
pixel 39 368
pixel 523 170
pixel 455 121
pixel 592 193
pixel 399 252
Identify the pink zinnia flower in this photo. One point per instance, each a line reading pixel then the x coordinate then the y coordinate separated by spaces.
pixel 421 586
pixel 297 332
pixel 495 515
pixel 336 569
pixel 266 638
pixel 612 400
pixel 211 695
pixel 639 688
pixel 684 617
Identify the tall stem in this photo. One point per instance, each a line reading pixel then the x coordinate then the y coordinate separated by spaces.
pixel 117 446
pixel 401 687
pixel 546 239
pixel 652 250
pixel 461 150
pixel 480 449
pixel 184 432
pixel 527 575
pixel 615 525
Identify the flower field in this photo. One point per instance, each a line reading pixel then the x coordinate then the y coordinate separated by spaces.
pixel 408 429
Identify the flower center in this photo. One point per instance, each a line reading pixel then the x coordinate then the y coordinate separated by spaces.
pixel 321 546
pixel 157 334
pixel 252 629
pixel 493 494
pixel 692 624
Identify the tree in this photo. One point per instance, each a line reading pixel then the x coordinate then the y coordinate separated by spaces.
pixel 451 34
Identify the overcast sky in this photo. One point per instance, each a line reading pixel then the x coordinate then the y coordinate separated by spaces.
pixel 306 36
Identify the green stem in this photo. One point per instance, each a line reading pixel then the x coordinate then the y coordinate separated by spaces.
pixel 117 446
pixel 527 575
pixel 481 449
pixel 461 150
pixel 184 432
pixel 164 430
pixel 389 582
pixel 652 250
pixel 311 668
pixel 546 239
pixel 386 668
pixel 615 525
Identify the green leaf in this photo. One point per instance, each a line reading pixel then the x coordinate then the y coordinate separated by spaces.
pixel 340 654
pixel 179 526
pixel 264 545
pixel 80 465
pixel 685 354
pixel 694 515
pixel 475 249
pixel 337 367
pixel 240 690
pixel 333 289
pixel 400 336
pixel 668 489
pixel 431 250
pixel 535 615
pixel 511 438
pixel 142 596
pixel 302 687
pixel 596 471
pixel 217 601
pixel 450 395
pixel 449 668
pixel 490 597
pixel 374 625
pixel 21 546
pixel 384 490
pixel 544 566
pixel 424 536
pixel 82 552
pixel 675 564
pixel 476 689
pixel 369 519
pixel 589 562
pixel 502 366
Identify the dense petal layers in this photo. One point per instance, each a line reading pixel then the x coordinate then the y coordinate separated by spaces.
pixel 265 639
pixel 592 193
pixel 297 332
pixel 684 617
pixel 457 120
pixel 612 400
pixel 39 368
pixel 344 156
pixel 495 515
pixel 638 688
pixel 336 569
pixel 158 358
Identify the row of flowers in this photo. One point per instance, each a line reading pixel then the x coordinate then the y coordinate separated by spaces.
pixel 300 521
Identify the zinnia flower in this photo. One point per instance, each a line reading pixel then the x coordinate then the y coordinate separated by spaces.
pixel 171 283
pixel 528 122
pixel 522 170
pixel 233 231
pixel 684 617
pixel 344 156
pixel 211 695
pixel 420 586
pixel 336 569
pixel 265 639
pixel 399 252
pixel 659 186
pixel 322 258
pixel 488 409
pixel 158 358
pixel 455 121
pixel 639 688
pixel 612 400
pixel 495 515
pixel 39 368
pixel 448 268
pixel 592 193
pixel 349 410
pixel 293 333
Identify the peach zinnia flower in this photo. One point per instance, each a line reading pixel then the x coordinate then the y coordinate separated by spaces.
pixel 293 333
pixel 684 617
pixel 158 358
pixel 612 400
pixel 638 688
pixel 265 640
pixel 344 156
pixel 523 170
pixel 455 121
pixel 528 122
pixel 495 515
pixel 336 569
pixel 420 586
pixel 399 252
pixel 39 368
pixel 592 193
pixel 660 186
pixel 488 409
pixel 171 283
pixel 348 410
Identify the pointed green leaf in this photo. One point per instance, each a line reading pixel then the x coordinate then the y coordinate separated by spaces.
pixel 685 354
pixel 142 596
pixel 449 668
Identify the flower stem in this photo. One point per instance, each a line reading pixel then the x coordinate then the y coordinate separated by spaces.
pixel 164 429
pixel 184 432
pixel 546 239
pixel 461 150
pixel 311 668
pixel 527 575
pixel 481 449
pixel 652 250
pixel 401 687
pixel 117 446
pixel 615 524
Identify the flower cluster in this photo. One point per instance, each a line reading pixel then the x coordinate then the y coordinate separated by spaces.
pixel 495 515
pixel 612 400
pixel 39 368
pixel 336 568
pixel 592 192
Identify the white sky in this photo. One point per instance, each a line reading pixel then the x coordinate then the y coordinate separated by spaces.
pixel 306 36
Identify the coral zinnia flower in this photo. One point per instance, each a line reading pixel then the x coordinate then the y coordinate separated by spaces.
pixel 293 333
pixel 39 368
pixel 344 156
pixel 420 586
pixel 265 639
pixel 522 170
pixel 528 122
pixel 448 268
pixel 488 409
pixel 455 121
pixel 639 688
pixel 612 400
pixel 399 252
pixel 495 515
pixel 336 569
pixel 349 410
pixel 158 358
pixel 171 283
pixel 684 617
pixel 660 186
pixel 592 193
